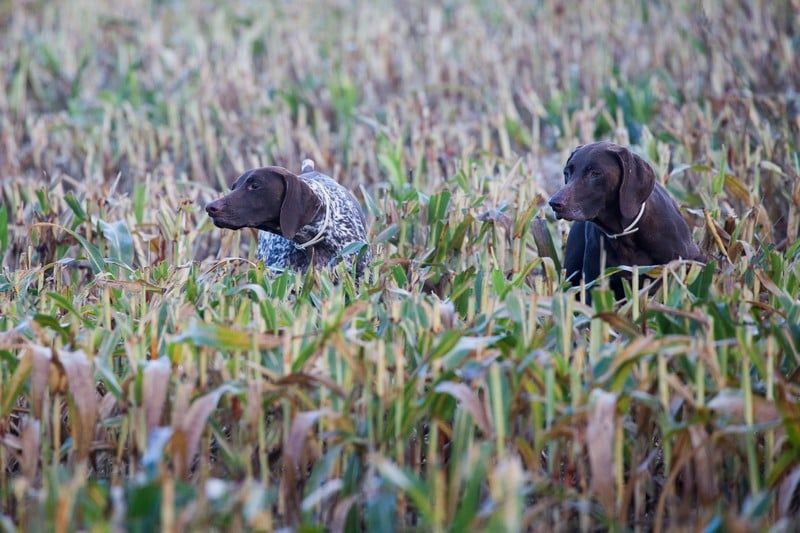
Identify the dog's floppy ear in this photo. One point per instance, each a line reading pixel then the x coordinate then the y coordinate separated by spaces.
pixel 638 180
pixel 299 206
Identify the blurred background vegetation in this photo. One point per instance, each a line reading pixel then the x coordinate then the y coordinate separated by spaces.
pixel 153 375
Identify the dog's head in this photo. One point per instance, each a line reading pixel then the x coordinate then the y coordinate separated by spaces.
pixel 603 178
pixel 270 199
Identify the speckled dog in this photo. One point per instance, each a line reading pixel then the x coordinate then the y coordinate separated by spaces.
pixel 302 218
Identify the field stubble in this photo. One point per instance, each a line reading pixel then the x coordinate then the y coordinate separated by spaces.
pixel 152 374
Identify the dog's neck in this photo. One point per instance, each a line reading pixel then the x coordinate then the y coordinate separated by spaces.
pixel 612 225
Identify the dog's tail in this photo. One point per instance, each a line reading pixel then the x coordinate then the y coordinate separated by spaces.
pixel 307 166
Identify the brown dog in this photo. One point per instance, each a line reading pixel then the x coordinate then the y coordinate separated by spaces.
pixel 304 220
pixel 613 196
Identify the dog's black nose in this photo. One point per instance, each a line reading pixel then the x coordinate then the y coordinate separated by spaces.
pixel 212 208
pixel 556 205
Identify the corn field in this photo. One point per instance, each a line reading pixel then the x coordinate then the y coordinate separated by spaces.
pixel 155 376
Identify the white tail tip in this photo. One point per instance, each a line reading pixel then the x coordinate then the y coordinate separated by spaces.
pixel 307 166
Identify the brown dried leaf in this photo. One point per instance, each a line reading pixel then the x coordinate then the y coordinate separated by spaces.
pixel 731 403
pixel 30 439
pixel 80 377
pixel 739 248
pixel 254 409
pixel 544 241
pixel 294 450
pixel 600 444
pixel 180 404
pixel 194 421
pixel 178 448
pixel 40 376
pixel 313 380
pixel 471 403
pixel 619 323
pixel 155 382
pixel 763 220
pixel 739 190
pixel 711 228
pixel 705 473
pixel 107 404
pixel 769 284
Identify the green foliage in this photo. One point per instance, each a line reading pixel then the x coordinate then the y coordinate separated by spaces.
pixel 154 375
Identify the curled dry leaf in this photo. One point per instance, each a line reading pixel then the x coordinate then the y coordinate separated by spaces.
pixel 80 377
pixel 713 230
pixel 190 428
pixel 600 445
pixel 769 284
pixel 254 410
pixel 311 380
pixel 619 323
pixel 107 404
pixel 470 401
pixel 40 376
pixel 738 189
pixel 739 248
pixel 155 382
pixel 762 219
pixel 544 241
pixel 731 403
pixel 30 438
pixel 180 403
pixel 294 450
pixel 705 473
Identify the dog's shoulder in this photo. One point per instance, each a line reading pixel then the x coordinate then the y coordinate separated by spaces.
pixel 345 208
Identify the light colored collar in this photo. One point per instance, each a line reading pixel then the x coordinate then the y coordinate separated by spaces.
pixel 630 229
pixel 326 222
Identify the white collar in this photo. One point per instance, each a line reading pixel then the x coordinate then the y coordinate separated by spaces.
pixel 630 229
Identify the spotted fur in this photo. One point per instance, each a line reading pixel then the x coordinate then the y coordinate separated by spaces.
pixel 347 224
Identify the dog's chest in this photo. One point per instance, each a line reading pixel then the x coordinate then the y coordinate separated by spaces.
pixel 622 251
pixel 619 252
pixel 280 253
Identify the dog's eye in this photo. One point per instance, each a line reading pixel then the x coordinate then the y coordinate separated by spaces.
pixel 252 186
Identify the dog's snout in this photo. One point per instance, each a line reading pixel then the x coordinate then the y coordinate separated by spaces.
pixel 557 201
pixel 213 208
